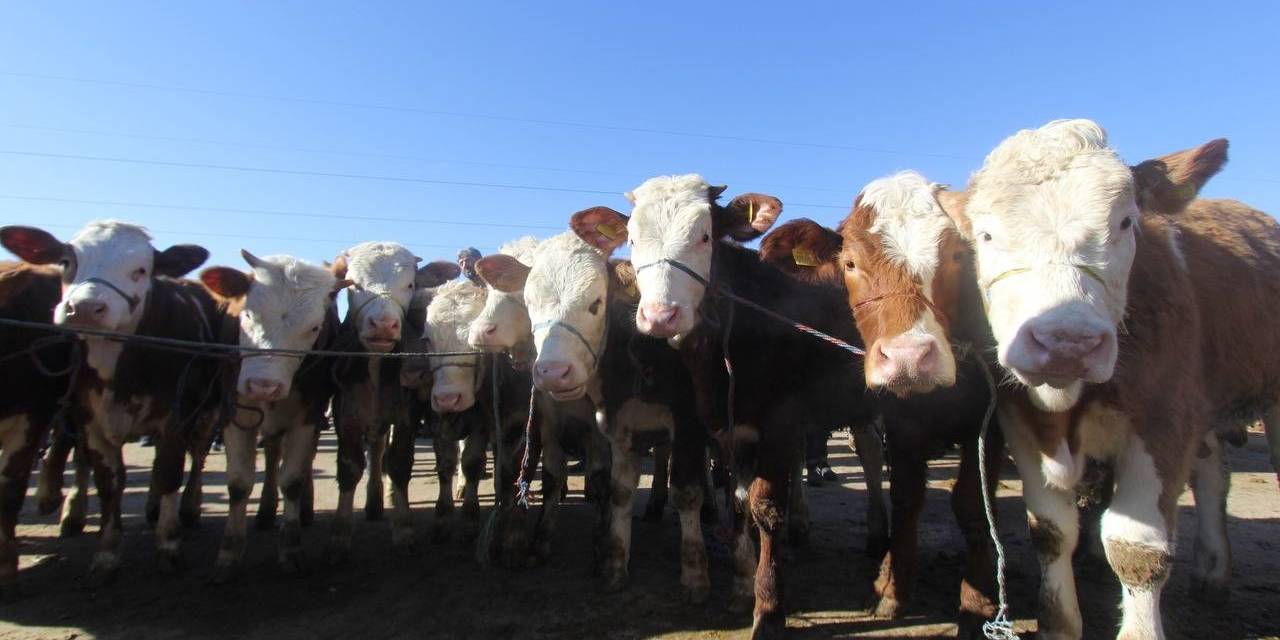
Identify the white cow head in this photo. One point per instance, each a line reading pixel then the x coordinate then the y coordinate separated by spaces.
pixel 107 270
pixel 503 324
pixel 384 277
pixel 1052 214
pixel 676 220
pixel 454 379
pixel 283 305
pixel 566 292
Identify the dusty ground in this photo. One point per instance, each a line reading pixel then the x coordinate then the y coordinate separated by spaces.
pixel 443 593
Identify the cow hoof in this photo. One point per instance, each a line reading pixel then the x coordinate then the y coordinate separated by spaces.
pixel 769 628
pixel 170 561
pixel 225 572
pixel 695 595
pixel 1210 592
pixel 742 602
pixel 888 608
pixel 373 512
pixel 265 521
pixel 71 527
pixel 877 546
pixel 653 512
pixel 613 580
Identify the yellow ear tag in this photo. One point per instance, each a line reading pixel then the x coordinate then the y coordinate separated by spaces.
pixel 803 257
pixel 751 212
pixel 608 230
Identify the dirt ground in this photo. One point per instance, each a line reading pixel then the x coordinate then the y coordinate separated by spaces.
pixel 443 593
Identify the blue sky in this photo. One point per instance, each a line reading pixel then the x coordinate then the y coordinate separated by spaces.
pixel 804 101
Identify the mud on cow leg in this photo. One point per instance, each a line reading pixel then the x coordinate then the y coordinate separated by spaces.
pixel 768 503
pixel 49 484
pixel 1136 533
pixel 76 507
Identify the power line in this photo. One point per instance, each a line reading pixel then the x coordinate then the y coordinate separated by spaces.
pixel 270 212
pixel 243 236
pixel 481 116
pixel 328 174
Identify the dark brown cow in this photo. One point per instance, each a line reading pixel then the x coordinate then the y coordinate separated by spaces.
pixel 31 399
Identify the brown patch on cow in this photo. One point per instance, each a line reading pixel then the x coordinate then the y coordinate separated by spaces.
pixel 1138 566
pixel 788 245
pixel 16 278
pixel 1046 537
pixel 622 282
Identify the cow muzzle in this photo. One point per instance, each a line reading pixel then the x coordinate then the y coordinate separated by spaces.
pixel 263 390
pixel 909 363
pixel 1045 351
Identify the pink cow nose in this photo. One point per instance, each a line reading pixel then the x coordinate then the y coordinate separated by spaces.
pixel 661 317
pixel 446 402
pixel 385 326
pixel 87 312
pixel 552 371
pixel 484 331
pixel 1061 350
pixel 906 359
pixel 263 389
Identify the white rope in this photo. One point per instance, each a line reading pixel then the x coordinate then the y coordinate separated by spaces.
pixel 1001 628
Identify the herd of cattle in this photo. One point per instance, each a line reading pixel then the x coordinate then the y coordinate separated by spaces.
pixel 1123 319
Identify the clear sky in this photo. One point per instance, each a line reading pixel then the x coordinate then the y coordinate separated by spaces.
pixel 397 103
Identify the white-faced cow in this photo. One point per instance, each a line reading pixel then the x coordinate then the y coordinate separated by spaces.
pixel 907 274
pixel 587 346
pixel 370 398
pixel 36 366
pixel 282 303
pixel 680 241
pixel 113 279
pixel 1124 312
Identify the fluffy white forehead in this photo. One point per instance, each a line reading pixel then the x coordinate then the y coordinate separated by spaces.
pixel 522 249
pixel 672 193
pixel 565 268
pixel 455 305
pixel 288 272
pixel 111 231
pixel 908 219
pixel 379 262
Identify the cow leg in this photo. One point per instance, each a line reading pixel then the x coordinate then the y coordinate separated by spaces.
pixel 52 470
pixel 446 451
pixel 399 464
pixel 870 448
pixel 598 492
pixel 1137 534
pixel 269 500
pixel 710 510
pixel 907 478
pixel 512 518
pixel 742 597
pixel 798 513
pixel 307 506
pixel 554 471
pixel 768 503
pixel 241 454
pixel 661 481
pixel 1210 482
pixel 375 491
pixel 689 465
pixel 170 456
pixel 978 588
pixel 1054 524
pixel 17 456
pixel 351 462
pixel 298 452
pixel 76 507
pixel 107 460
pixel 473 467
pixel 193 492
pixel 625 477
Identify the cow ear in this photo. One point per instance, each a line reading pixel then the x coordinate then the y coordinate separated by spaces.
pixel 32 245
pixel 600 227
pixel 434 274
pixel 747 216
pixel 340 284
pixel 503 272
pixel 226 282
pixel 339 266
pixel 1169 184
pixel 953 204
pixel 180 259
pixel 801 242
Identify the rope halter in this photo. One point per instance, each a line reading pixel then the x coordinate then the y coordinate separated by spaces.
pixel 132 301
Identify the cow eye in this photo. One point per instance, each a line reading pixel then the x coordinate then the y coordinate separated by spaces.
pixel 706 237
pixel 64 263
pixel 1126 223
pixel 958 256
pixel 849 265
pixel 984 236
pixel 139 273
pixel 315 329
pixel 595 306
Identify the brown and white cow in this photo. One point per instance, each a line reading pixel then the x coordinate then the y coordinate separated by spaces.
pixel 35 384
pixel 586 346
pixel 1125 322
pixel 114 279
pixel 907 275
pixel 680 240
pixel 384 277
pixel 281 303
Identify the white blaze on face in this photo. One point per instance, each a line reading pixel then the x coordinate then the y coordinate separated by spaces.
pixel 566 292
pixel 504 322
pixel 382 276
pixel 115 252
pixel 284 309
pixel 455 379
pixel 909 225
pixel 672 220
pixel 1052 213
